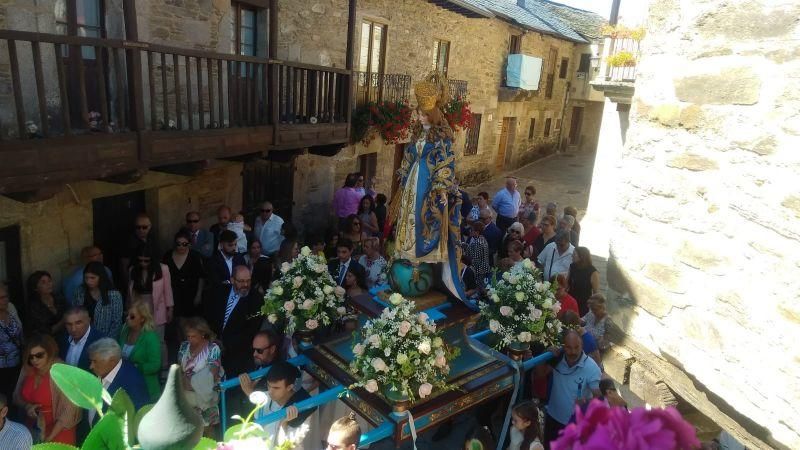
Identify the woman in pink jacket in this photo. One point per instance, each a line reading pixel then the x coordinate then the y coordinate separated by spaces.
pixel 150 283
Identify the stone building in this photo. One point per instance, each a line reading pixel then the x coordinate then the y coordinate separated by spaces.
pixel 702 215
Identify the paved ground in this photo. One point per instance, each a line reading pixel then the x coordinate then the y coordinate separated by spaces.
pixel 564 178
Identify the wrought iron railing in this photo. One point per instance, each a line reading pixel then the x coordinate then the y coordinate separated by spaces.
pixel 375 87
pixel 458 89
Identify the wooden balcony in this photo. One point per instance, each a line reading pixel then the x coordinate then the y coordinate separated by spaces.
pixel 618 69
pixel 76 108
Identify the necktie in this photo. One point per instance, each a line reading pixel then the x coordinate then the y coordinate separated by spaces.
pixel 233 299
pixel 341 273
pixel 194 238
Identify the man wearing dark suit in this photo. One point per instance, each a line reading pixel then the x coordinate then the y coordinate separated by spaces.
pixel 223 217
pixel 230 310
pixel 224 260
pixel 339 266
pixel 106 362
pixel 74 344
pixel 201 239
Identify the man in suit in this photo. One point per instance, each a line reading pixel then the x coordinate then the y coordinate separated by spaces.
pixel 106 362
pixel 230 311
pixel 201 239
pixel 338 266
pixel 73 345
pixel 224 260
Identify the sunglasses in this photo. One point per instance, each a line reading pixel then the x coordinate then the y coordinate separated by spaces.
pixel 142 227
pixel 261 350
pixel 529 193
pixel 132 316
pixel 192 220
pixel 39 355
pixel 182 244
pixel 356 223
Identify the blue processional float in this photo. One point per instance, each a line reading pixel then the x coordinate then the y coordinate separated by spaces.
pixel 437 360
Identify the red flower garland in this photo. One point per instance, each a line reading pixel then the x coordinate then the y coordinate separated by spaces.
pixel 458 114
pixel 391 119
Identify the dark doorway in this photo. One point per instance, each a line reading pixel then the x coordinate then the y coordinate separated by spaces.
pixel 113 222
pixel 11 266
pixel 270 179
pixel 575 125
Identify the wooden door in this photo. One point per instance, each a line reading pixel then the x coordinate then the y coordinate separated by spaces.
pixel 269 180
pixel 11 266
pixel 504 151
pixel 113 221
pixel 575 125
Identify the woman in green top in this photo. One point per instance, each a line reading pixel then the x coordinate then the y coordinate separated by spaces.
pixel 142 346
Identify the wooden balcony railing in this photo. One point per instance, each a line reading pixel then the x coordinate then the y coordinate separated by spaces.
pixel 67 102
pixel 621 46
pixel 375 87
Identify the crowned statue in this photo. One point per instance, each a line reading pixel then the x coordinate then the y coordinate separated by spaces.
pixel 428 204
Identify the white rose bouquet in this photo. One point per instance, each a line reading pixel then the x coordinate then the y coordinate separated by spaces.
pixel 522 309
pixel 401 353
pixel 305 296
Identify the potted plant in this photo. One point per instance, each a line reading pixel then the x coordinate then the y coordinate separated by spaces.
pixel 305 297
pixel 401 354
pixel 522 309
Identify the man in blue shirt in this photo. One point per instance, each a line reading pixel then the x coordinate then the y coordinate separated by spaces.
pixel 576 379
pixel 506 202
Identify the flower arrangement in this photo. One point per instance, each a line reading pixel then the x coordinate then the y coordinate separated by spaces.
pixel 602 427
pixel 402 354
pixel 623 32
pixel 621 59
pixel 390 119
pixel 522 309
pixel 458 113
pixel 305 296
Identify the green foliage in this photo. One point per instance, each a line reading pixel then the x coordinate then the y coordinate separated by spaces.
pixel 245 430
pixel 53 446
pixel 123 407
pixel 81 388
pixel 621 59
pixel 107 434
pixel 206 444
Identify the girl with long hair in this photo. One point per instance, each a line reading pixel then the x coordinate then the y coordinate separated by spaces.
pixel 45 307
pixel 525 433
pixel 98 296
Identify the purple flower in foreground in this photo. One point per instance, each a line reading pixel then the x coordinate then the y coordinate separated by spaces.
pixel 604 428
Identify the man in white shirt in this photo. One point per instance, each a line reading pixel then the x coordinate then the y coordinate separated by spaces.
pixel 269 225
pixel 282 393
pixel 556 257
pixel 13 436
pixel 73 345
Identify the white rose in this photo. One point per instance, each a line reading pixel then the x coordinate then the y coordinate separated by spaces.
pixel 424 347
pixel 402 358
pixel 341 310
pixel 277 290
pixel 425 390
pixel 339 291
pixel 371 386
pixel 358 349
pixel 437 342
pixel 506 276
pixel 495 298
pixel 422 318
pixel 524 337
pixel 547 303
pixel 513 280
pixel 307 304
pixel 288 306
pixel 405 327
pixel 441 361
pixel 305 251
pixel 494 326
pixel 375 340
pixel 285 267
pixel 527 264
pixel 536 313
pixel 320 268
pixel 312 324
pixel 520 296
pixel 506 311
pixel 297 282
pixel 396 299
pixel 328 289
pixel 272 318
pixel 258 398
pixel 556 307
pixel 379 365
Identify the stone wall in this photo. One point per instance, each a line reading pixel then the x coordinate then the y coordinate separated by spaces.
pixel 705 250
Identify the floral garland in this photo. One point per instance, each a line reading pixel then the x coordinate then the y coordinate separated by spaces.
pixel 389 119
pixel 305 296
pixel 402 352
pixel 458 113
pixel 522 308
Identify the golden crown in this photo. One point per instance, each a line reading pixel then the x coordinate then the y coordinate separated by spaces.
pixel 432 91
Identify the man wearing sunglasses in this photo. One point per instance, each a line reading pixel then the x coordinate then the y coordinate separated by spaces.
pixel 141 236
pixel 268 229
pixel 201 239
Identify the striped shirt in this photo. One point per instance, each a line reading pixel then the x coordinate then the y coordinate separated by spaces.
pixel 14 436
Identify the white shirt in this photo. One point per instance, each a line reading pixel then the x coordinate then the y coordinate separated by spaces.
pixel 14 436
pixel 107 380
pixel 554 263
pixel 343 266
pixel 228 262
pixel 76 348
pixel 270 235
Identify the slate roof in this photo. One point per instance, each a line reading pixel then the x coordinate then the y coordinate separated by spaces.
pixel 543 16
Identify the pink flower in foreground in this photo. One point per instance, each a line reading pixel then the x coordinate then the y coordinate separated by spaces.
pixel 604 428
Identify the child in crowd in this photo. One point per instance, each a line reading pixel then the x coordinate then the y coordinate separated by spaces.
pixel 568 302
pixel 479 439
pixel 595 320
pixel 609 394
pixel 318 246
pixel 525 427
pixel 238 226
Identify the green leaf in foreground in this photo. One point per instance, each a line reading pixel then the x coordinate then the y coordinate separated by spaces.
pixel 206 444
pixel 53 446
pixel 107 434
pixel 122 406
pixel 244 431
pixel 81 388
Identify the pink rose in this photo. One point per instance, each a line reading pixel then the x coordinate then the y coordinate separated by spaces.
pixel 379 365
pixel 441 361
pixel 405 327
pixel 358 349
pixel 312 324
pixel 506 311
pixel 307 304
pixel 371 386
pixel 289 306
pixel 422 317
pixel 425 390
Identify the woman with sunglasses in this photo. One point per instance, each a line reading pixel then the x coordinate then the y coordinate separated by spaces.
pixel 151 283
pixel 515 233
pixel 529 204
pixel 99 297
pixel 186 274
pixel 140 346
pixel 46 407
pixel 355 234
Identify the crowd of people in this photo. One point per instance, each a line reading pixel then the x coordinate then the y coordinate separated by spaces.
pixel 197 305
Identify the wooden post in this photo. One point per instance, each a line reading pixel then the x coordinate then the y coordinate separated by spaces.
pixel 273 30
pixel 133 56
pixel 351 37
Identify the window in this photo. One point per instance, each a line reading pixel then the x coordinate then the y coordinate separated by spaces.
pixel 88 22
pixel 368 165
pixel 547 123
pixel 244 26
pixel 516 45
pixel 441 55
pixel 471 146
pixel 372 47
pixel 562 71
pixel 532 128
pixel 551 73
pixel 586 62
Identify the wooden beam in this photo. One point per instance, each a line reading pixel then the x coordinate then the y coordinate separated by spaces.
pixel 273 29
pixel 351 34
pixel 131 25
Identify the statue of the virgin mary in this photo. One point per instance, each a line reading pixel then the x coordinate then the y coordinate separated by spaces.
pixel 429 204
